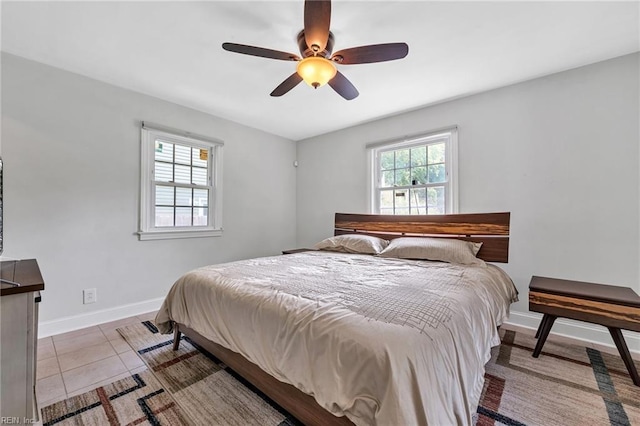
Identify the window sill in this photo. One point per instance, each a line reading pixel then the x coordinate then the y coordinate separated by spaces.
pixel 178 233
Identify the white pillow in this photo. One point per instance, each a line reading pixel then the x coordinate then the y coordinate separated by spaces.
pixel 443 249
pixel 352 243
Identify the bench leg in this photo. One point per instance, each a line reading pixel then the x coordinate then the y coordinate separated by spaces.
pixel 541 326
pixel 545 328
pixel 176 336
pixel 618 338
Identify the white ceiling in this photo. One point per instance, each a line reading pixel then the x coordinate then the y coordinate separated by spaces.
pixel 172 50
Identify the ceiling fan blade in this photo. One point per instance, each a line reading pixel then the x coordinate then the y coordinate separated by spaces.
pixel 291 82
pixel 259 51
pixel 372 53
pixel 343 86
pixel 317 19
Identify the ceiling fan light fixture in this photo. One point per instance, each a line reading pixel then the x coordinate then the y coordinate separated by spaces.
pixel 316 71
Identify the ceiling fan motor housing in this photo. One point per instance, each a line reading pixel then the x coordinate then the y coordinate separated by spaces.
pixel 307 51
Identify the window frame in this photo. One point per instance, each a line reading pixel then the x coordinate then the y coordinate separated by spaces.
pixel 448 135
pixel 147 230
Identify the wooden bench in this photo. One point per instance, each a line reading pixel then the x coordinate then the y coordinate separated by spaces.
pixel 613 307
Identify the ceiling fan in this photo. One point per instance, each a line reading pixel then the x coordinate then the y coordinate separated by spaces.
pixel 316 65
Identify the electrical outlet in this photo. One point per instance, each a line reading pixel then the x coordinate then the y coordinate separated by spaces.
pixel 89 295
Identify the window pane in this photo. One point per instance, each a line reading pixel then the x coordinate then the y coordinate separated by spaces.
pixel 402 200
pixel 181 192
pixel 164 151
pixel 418 201
pixel 183 174
pixel 199 157
pixel 200 216
pixel 164 195
pixel 436 210
pixel 164 216
pixel 386 178
pixel 402 158
pixel 402 177
pixel 199 176
pixel 183 154
pixel 413 168
pixel 419 156
pixel 437 174
pixel 418 175
pixel 183 216
pixel 163 172
pixel 183 196
pixel 436 153
pixel 386 199
pixel 201 197
pixel 435 199
pixel 386 160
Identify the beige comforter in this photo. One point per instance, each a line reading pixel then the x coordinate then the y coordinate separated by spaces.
pixel 382 341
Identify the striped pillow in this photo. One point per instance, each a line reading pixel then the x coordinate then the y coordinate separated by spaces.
pixel 352 243
pixel 442 249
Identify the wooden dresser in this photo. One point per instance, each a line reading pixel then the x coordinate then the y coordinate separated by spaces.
pixel 18 348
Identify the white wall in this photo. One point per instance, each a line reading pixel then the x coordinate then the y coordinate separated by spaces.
pixel 559 152
pixel 71 149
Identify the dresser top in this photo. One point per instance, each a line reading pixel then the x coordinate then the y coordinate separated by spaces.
pixel 24 272
pixel 583 290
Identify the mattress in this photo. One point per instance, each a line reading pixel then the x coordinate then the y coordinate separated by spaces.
pixel 381 341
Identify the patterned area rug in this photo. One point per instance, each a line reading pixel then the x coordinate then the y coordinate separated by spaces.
pixel 139 399
pixel 568 385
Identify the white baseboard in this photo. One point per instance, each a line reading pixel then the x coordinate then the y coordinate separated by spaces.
pixel 590 333
pixel 75 322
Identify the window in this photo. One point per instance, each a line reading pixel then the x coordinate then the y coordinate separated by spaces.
pixel 415 176
pixel 180 185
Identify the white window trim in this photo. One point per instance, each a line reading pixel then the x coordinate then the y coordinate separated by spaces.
pixel 373 166
pixel 148 231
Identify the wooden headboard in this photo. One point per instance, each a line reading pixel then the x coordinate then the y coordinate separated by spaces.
pixel 492 229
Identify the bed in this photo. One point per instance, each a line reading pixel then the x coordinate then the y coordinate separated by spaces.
pixel 343 338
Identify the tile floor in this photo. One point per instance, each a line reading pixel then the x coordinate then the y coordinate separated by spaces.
pixel 73 363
